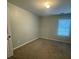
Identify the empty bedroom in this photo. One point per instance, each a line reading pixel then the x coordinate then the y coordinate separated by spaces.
pixel 39 29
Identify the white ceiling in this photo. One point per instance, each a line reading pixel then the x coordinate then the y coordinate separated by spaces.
pixel 37 6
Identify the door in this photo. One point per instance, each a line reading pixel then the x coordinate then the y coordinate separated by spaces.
pixel 9 41
pixel 9 47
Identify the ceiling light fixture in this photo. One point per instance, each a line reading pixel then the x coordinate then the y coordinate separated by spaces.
pixel 47 5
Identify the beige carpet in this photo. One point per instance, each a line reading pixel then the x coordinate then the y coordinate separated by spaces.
pixel 43 49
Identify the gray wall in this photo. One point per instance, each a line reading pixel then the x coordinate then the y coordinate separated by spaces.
pixel 49 26
pixel 24 25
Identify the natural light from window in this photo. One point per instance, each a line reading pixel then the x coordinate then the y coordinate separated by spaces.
pixel 64 27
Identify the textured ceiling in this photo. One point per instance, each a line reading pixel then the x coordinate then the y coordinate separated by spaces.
pixel 37 6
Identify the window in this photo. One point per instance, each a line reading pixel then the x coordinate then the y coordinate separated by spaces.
pixel 64 27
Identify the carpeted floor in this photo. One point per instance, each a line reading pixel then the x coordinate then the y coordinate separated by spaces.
pixel 43 49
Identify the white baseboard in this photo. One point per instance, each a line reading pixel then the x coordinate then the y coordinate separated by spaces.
pixel 56 40
pixel 24 43
pixel 33 40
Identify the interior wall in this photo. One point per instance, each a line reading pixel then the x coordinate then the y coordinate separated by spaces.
pixel 49 26
pixel 24 25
